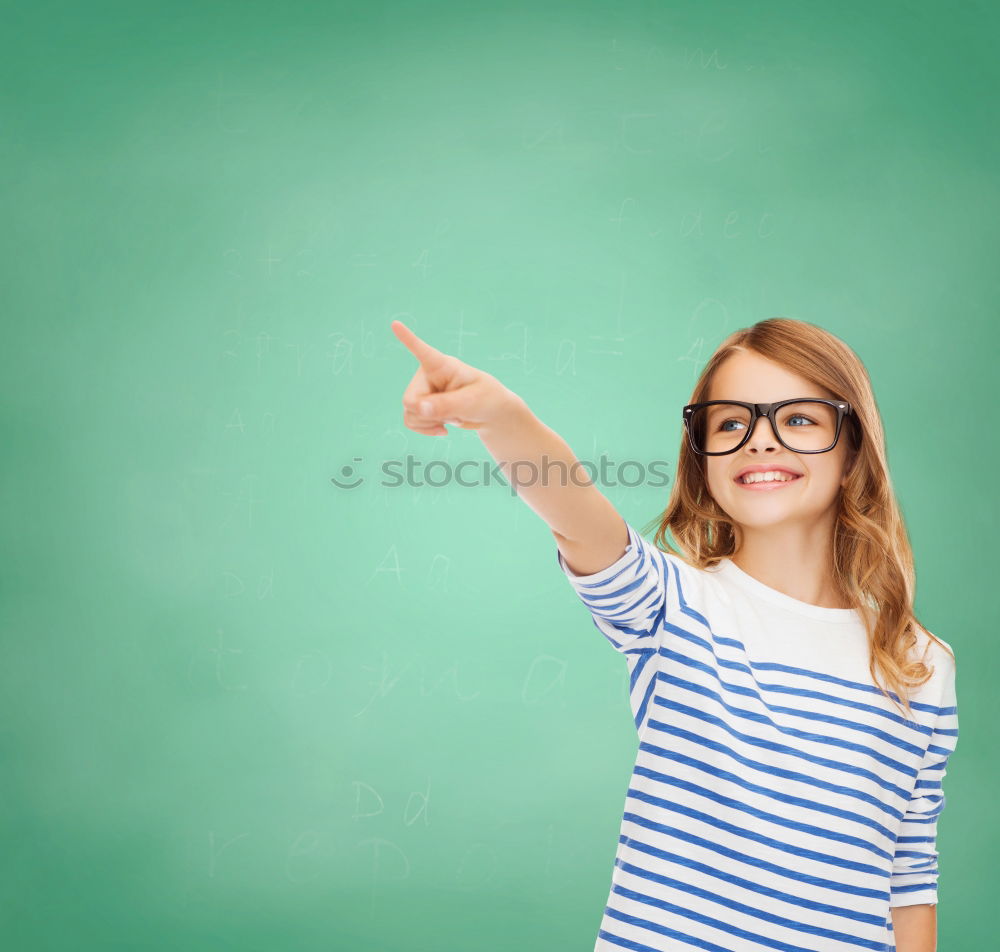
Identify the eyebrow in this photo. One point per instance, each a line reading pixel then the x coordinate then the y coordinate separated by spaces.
pixel 782 400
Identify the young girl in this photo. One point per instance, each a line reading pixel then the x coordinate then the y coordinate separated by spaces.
pixel 794 718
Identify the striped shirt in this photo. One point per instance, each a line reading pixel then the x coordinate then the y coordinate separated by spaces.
pixel 778 799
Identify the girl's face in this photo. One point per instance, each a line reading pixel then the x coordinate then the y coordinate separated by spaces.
pixel 751 378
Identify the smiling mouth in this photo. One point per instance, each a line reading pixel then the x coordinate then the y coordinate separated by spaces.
pixel 767 483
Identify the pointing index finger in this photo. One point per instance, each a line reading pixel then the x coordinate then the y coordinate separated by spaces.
pixel 419 348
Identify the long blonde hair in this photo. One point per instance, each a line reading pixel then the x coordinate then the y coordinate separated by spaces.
pixel 872 558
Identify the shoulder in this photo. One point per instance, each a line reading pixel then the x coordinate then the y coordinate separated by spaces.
pixel 669 560
pixel 687 587
pixel 938 655
pixel 932 648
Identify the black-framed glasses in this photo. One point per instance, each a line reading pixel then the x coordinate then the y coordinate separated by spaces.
pixel 802 425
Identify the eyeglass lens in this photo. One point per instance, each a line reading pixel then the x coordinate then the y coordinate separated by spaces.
pixel 803 426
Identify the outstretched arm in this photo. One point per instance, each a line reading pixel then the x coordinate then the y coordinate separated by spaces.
pixel 538 463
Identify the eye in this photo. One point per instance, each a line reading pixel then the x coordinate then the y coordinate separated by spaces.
pixel 799 416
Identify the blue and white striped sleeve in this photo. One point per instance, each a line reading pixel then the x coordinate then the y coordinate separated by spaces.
pixel 627 600
pixel 915 863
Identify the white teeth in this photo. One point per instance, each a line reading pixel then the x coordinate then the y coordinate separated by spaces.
pixel 768 477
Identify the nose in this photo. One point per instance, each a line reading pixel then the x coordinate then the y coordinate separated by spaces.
pixel 763 434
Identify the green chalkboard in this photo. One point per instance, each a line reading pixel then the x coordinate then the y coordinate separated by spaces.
pixel 247 708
